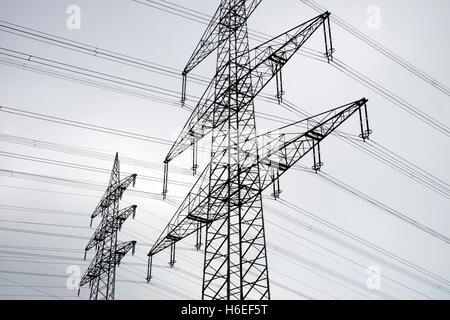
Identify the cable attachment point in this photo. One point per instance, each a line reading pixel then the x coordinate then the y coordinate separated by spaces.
pixel 276 182
pixel 364 122
pixel 183 89
pixel 198 244
pixel 329 50
pixel 279 83
pixel 317 158
pixel 194 154
pixel 172 255
pixel 166 175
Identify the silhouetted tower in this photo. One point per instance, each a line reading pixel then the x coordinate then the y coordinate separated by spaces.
pixel 101 273
pixel 227 197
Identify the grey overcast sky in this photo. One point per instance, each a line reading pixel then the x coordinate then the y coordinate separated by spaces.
pixel 47 195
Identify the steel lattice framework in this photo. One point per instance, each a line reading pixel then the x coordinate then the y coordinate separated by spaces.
pixel 101 273
pixel 227 197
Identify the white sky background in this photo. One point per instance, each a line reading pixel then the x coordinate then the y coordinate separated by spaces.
pixel 416 30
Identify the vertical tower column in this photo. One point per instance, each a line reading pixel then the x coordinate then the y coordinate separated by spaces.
pixel 235 265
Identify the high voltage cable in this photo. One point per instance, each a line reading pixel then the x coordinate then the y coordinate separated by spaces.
pixel 338 64
pixel 353 237
pixel 292 256
pixel 88 82
pixel 381 206
pixel 204 18
pixel 360 251
pixel 357 193
pixel 83 125
pixel 284 216
pixel 380 48
pixel 65 43
pixel 412 110
pixel 27 60
pixel 53 275
pixel 79 151
pixel 378 204
pixel 51 234
pixel 360 240
pixel 404 105
pixel 388 157
pixel 40 255
pixel 440 187
pixel 380 153
pixel 72 183
pixel 387 209
pixel 285 230
pixel 81 167
pixel 105 54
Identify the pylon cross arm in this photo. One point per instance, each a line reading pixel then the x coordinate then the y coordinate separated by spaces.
pixel 186 218
pixel 110 225
pixel 113 193
pixel 267 60
pixel 100 263
pixel 283 149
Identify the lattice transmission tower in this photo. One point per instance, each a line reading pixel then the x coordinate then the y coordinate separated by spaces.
pixel 101 273
pixel 227 197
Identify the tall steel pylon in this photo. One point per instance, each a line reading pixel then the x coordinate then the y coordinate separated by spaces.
pixel 101 273
pixel 227 197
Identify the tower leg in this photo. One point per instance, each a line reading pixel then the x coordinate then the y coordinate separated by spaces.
pixel 166 176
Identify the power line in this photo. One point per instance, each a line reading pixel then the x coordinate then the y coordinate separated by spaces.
pixel 83 125
pixel 386 156
pixel 338 64
pixel 378 204
pixel 286 231
pixel 360 240
pixel 371 148
pixel 71 183
pixel 380 48
pixel 79 166
pixel 28 58
pixel 388 210
pixel 278 213
pixel 85 152
pixel 38 255
pixel 90 82
pixel 360 251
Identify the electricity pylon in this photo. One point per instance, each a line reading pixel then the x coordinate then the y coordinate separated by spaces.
pixel 101 273
pixel 227 197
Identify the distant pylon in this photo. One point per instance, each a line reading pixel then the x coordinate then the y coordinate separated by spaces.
pixel 101 273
